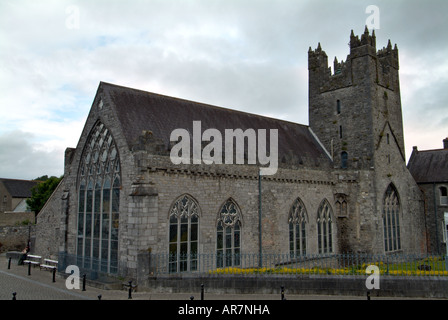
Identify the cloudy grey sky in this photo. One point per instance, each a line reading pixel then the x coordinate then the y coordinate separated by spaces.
pixel 249 55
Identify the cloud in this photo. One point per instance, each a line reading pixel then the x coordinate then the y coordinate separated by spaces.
pixel 21 159
pixel 249 55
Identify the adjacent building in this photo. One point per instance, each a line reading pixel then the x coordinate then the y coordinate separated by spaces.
pixel 13 194
pixel 430 170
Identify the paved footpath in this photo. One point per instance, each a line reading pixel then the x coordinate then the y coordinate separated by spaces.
pixel 40 286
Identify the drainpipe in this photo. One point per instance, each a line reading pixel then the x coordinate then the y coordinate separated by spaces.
pixel 260 261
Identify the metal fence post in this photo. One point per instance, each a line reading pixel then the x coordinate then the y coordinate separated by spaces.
pixel 282 293
pixel 202 291
pixel 84 282
pixel 54 274
pixel 29 268
pixel 446 261
pixel 130 290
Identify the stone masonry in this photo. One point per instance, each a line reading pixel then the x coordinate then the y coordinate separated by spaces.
pixel 356 110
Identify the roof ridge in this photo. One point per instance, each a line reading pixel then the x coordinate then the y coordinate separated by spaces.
pixel 432 150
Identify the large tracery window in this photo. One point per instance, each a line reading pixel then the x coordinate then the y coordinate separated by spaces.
pixel 297 228
pixel 325 228
pixel 391 219
pixel 228 235
pixel 183 235
pixel 99 202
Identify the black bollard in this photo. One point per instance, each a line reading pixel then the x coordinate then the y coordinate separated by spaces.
pixel 14 296
pixel 29 268
pixel 54 274
pixel 84 282
pixel 9 263
pixel 282 296
pixel 130 290
pixel 192 298
pixel 202 291
pixel 99 297
pixel 368 295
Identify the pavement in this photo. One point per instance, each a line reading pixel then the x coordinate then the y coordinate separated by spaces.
pixel 39 285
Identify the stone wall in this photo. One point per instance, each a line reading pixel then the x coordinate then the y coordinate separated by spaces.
pixel 48 225
pixel 15 238
pixel 16 228
pixel 390 286
pixel 16 218
pixel 211 187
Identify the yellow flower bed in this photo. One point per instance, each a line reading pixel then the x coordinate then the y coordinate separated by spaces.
pixel 333 271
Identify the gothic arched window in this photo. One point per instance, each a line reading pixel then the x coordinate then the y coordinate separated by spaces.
pixel 391 219
pixel 183 235
pixel 297 221
pixel 228 235
pixel 99 202
pixel 325 228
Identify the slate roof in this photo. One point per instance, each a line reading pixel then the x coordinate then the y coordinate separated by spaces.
pixel 18 188
pixel 429 166
pixel 139 110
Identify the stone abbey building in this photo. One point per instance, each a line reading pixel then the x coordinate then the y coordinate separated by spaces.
pixel 342 184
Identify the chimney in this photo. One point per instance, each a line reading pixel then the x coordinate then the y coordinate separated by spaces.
pixel 445 143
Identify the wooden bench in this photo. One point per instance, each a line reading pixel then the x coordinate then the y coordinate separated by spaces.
pixel 32 259
pixel 49 264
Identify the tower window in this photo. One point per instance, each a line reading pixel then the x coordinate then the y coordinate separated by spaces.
pixel 344 157
pixel 338 106
pixel 340 132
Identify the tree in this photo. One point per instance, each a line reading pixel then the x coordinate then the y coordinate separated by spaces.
pixel 41 192
pixel 42 179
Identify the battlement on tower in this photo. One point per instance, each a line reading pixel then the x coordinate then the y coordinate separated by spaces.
pixel 382 65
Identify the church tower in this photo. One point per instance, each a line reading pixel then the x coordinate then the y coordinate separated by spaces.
pixel 355 106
